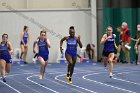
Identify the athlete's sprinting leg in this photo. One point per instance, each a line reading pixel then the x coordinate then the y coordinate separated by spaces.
pixel 68 71
pixel 72 69
pixel 3 65
pixel 71 64
pixel 42 67
pixel 69 60
pixel 105 61
pixel 110 59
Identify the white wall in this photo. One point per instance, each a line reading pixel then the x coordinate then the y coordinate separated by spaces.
pixel 43 4
pixel 94 25
pixel 56 21
pixel 17 4
pixel 37 4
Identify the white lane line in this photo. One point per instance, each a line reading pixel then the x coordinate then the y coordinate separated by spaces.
pixel 55 72
pixel 10 87
pixel 19 74
pixel 125 80
pixel 104 84
pixel 28 78
pixel 63 85
pixel 23 85
pixel 56 78
pixel 90 70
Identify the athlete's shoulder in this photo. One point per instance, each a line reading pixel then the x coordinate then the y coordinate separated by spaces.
pixel 8 43
pixel 37 40
pixel 105 35
pixel 66 37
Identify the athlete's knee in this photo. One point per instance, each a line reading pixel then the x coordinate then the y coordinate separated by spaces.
pixel 3 64
pixel 70 64
pixel 46 63
pixel 3 67
pixel 43 64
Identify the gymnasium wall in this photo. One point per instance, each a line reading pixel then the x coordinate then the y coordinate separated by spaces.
pixel 57 21
pixel 44 4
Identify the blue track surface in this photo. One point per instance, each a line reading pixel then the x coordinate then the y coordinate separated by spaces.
pixel 87 78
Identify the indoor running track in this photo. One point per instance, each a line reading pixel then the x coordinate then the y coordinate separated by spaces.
pixel 87 78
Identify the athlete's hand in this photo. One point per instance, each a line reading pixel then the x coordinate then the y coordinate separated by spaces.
pixel 109 37
pixel 11 52
pixel 78 38
pixel 135 47
pixel 116 47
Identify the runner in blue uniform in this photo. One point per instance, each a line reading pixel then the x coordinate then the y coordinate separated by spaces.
pixel 24 43
pixel 43 52
pixel 109 47
pixel 5 56
pixel 71 51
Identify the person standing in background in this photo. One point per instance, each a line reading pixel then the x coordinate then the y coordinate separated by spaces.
pixel 126 41
pixel 119 29
pixel 90 48
pixel 137 45
pixel 24 43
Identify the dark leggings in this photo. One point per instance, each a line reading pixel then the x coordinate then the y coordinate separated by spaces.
pixel 35 55
pixel 136 59
pixel 21 55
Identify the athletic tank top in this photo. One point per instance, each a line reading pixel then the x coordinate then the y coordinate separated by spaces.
pixel 4 50
pixel 43 47
pixel 72 45
pixel 109 44
pixel 25 37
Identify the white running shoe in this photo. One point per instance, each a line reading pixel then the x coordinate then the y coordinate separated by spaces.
pixel 40 77
pixel 111 75
pixel 34 60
